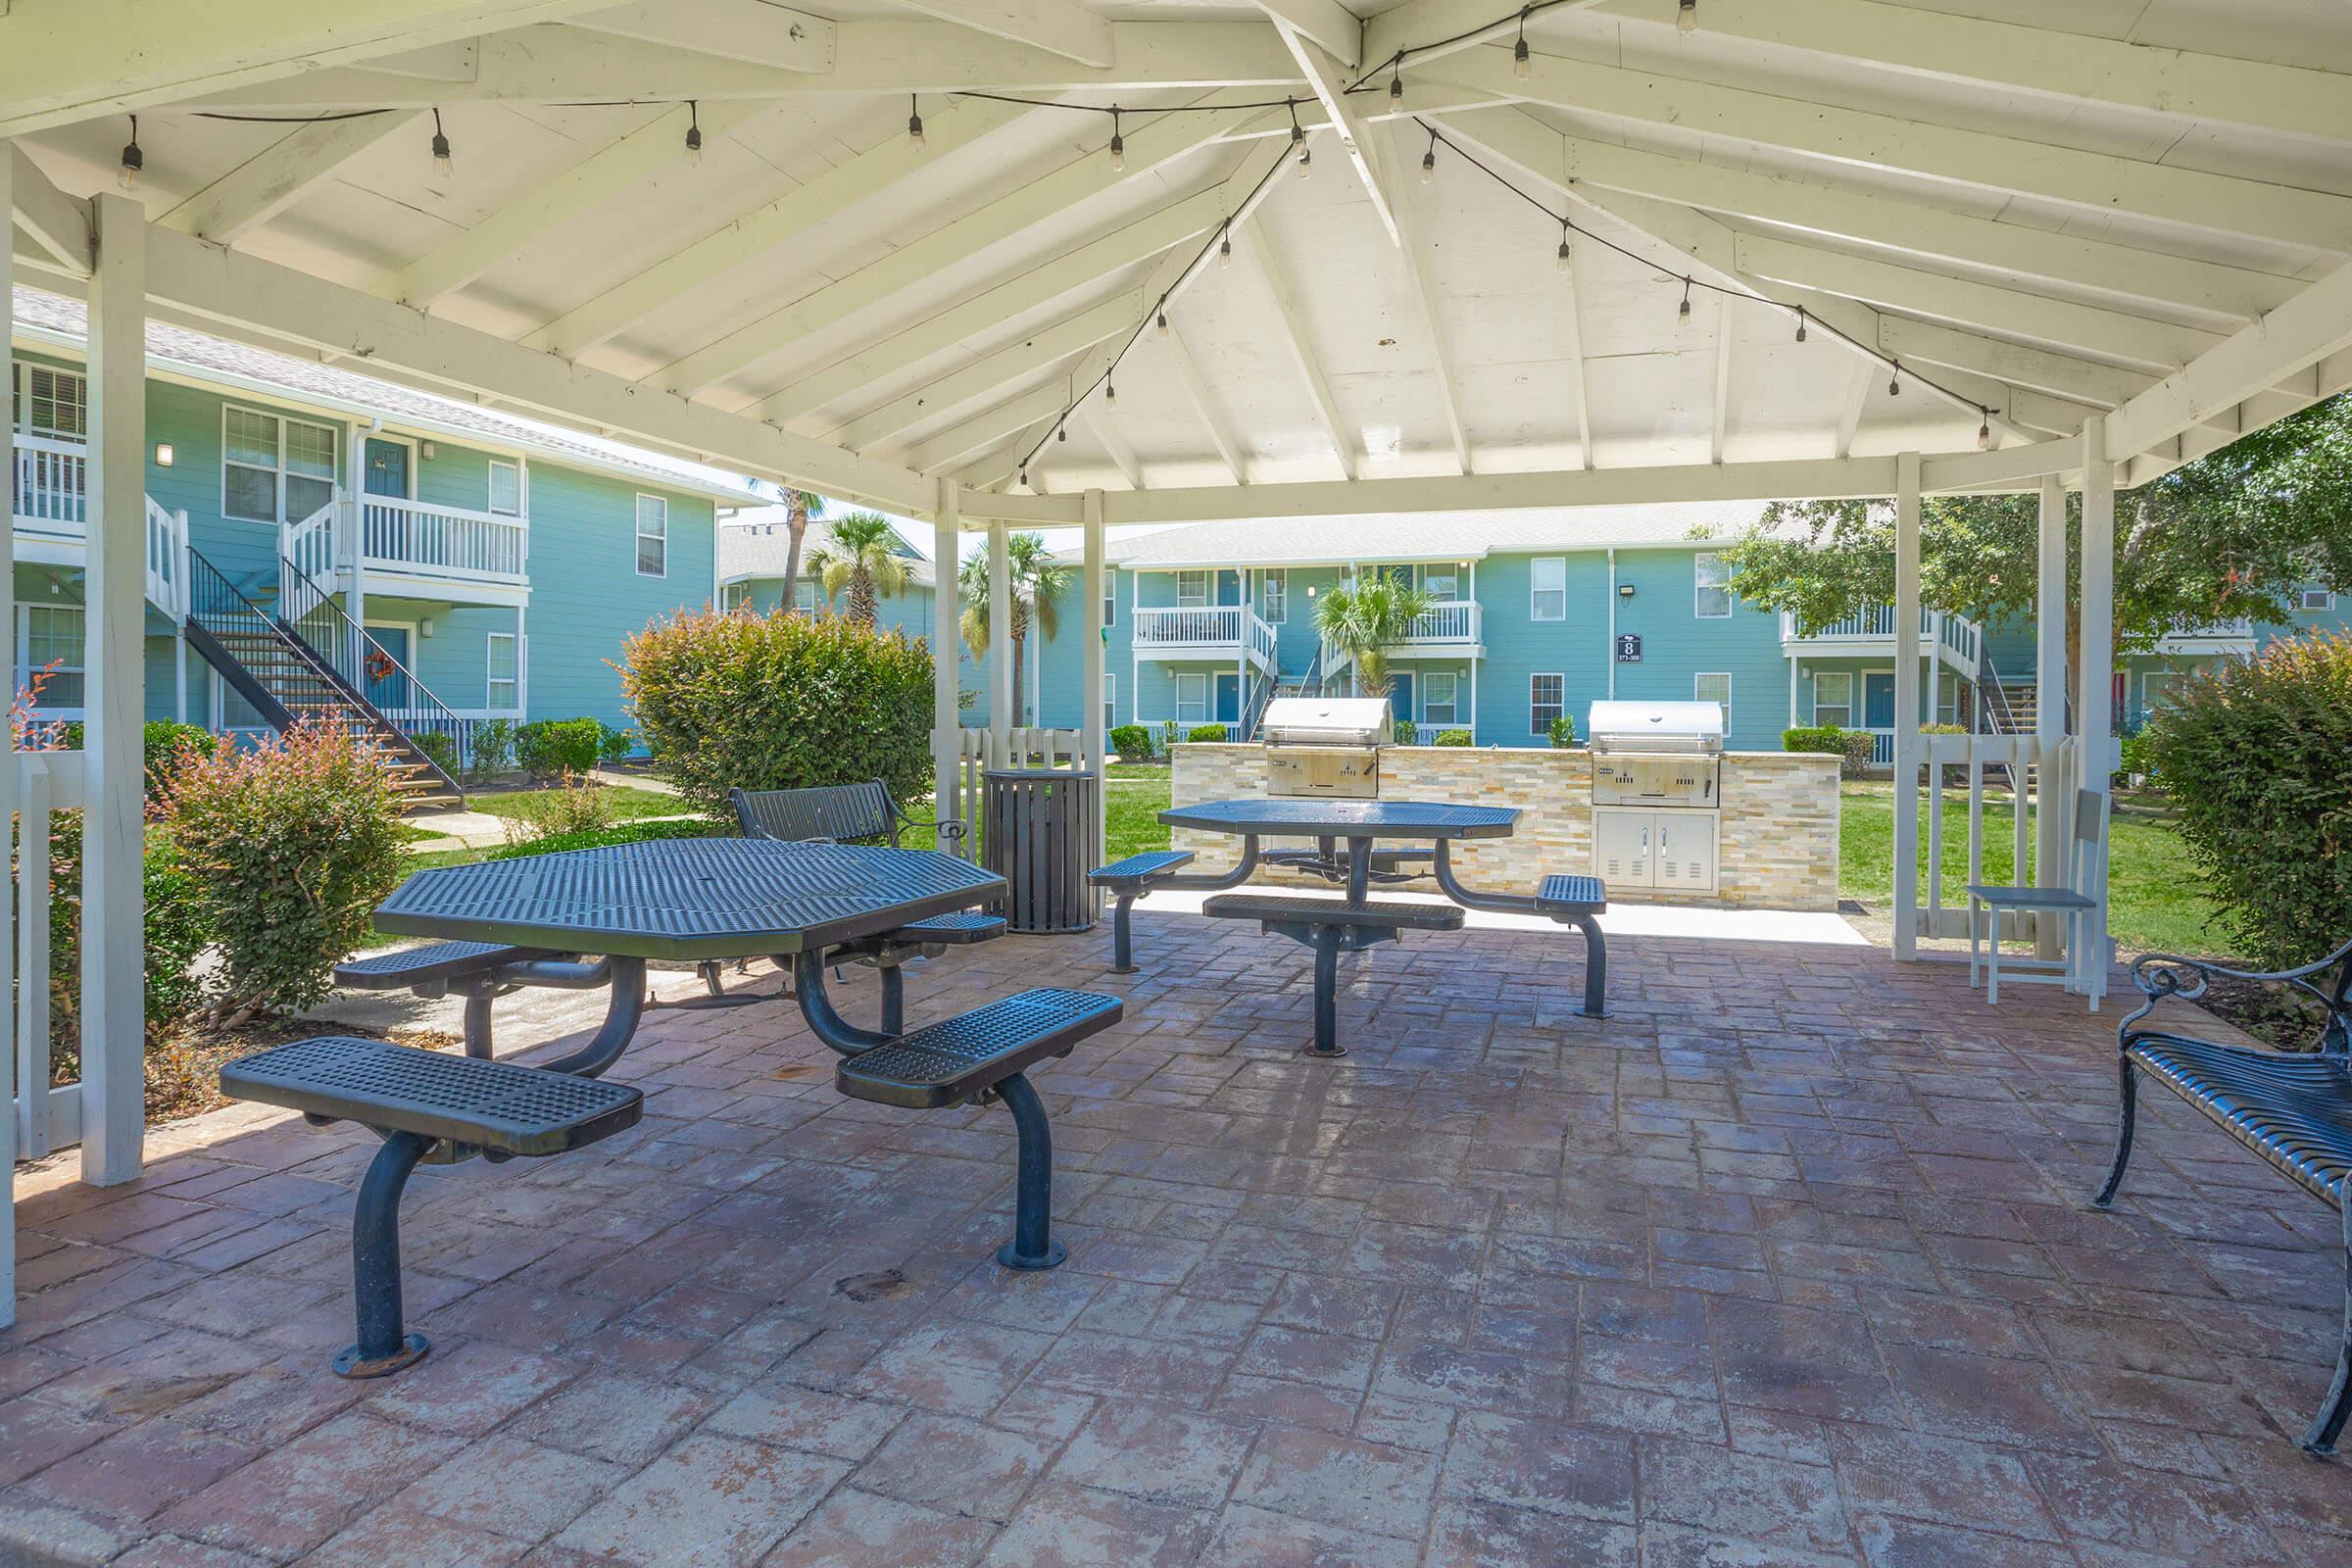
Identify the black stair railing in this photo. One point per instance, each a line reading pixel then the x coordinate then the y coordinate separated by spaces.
pixel 370 675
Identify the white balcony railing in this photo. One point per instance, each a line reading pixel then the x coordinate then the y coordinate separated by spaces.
pixel 409 539
pixel 1209 628
pixel 1457 621
pixel 49 485
pixel 1956 639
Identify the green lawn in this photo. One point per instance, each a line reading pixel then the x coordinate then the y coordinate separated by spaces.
pixel 628 803
pixel 2156 904
pixel 1133 817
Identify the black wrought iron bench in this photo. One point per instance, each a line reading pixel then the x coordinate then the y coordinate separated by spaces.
pixel 479 971
pixel 2292 1109
pixel 1126 881
pixel 1331 928
pixel 424 1104
pixel 973 1058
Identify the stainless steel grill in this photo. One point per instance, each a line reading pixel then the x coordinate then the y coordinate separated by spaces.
pixel 1327 746
pixel 1656 805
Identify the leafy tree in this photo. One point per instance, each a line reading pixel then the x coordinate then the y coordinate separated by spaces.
pixel 1038 583
pixel 1366 618
pixel 863 557
pixel 797 505
pixel 2230 536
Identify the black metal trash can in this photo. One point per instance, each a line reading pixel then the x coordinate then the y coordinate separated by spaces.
pixel 1038 833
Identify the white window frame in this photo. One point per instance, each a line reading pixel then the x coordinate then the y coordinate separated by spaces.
pixel 1189 598
pixel 279 472
pixel 2318 601
pixel 1451 577
pixel 1111 596
pixel 1425 693
pixel 25 670
pixel 734 596
pixel 638 542
pixel 20 402
pixel 809 598
pixel 1275 589
pixel 492 680
pixel 490 489
pixel 1200 704
pixel 1535 703
pixel 1111 701
pixel 1535 589
pixel 1705 565
pixel 1847 678
pixel 1698 692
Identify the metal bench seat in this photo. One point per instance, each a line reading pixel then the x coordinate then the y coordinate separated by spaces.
pixel 1561 894
pixel 1127 881
pixel 1331 928
pixel 957 930
pixel 416 1101
pixel 428 963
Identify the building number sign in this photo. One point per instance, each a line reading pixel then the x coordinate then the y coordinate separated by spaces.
pixel 1629 648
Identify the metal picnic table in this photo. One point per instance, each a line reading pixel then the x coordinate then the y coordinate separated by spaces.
pixel 1359 823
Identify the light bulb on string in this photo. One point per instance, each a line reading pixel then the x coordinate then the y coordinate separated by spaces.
pixel 443 165
pixel 1119 144
pixel 1024 477
pixel 134 162
pixel 1686 16
pixel 1800 323
pixel 1429 159
pixel 694 134
pixel 1164 330
pixel 1298 131
pixel 1983 428
pixel 914 121
pixel 1397 81
pixel 1894 381
pixel 1307 161
pixel 1684 314
pixel 1225 244
pixel 1110 394
pixel 1561 261
pixel 1519 60
pixel 1061 432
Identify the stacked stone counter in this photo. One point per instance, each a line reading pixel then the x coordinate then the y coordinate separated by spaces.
pixel 1779 846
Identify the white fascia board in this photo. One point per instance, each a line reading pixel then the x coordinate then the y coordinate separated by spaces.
pixel 1059 27
pixel 2306 330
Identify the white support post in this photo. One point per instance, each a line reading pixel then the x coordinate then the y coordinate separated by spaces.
pixel 1906 707
pixel 1793 684
pixel 2096 708
pixel 113 989
pixel 2050 708
pixel 1096 735
pixel 34 1098
pixel 1001 690
pixel 947 719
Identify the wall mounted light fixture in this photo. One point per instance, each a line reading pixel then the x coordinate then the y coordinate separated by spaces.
pixel 1625 590
pixel 163 455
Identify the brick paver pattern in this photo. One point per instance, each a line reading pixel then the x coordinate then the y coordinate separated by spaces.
pixel 1786 1264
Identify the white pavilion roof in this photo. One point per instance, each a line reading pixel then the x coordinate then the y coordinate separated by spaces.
pixel 2041 212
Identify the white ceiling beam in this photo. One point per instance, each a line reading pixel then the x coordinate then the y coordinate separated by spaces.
pixel 235 295
pixel 2057 374
pixel 280 175
pixel 1100 362
pixel 1327 22
pixel 1107 431
pixel 570 65
pixel 2096 181
pixel 1924 227
pixel 2308 330
pixel 1302 352
pixel 2328 379
pixel 1070 270
pixel 58 224
pixel 1573 360
pixel 957 391
pixel 1058 27
pixel 1414 240
pixel 1204 402
pixel 768 228
pixel 65 61
pixel 607 171
pixel 1719 423
pixel 1326 78
pixel 2066 65
pixel 1431 30
pixel 756 31
pixel 2107 334
pixel 1859 380
pixel 941 251
pixel 977 434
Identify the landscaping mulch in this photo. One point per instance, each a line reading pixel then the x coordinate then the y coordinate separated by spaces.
pixel 2277 1015
pixel 183 1077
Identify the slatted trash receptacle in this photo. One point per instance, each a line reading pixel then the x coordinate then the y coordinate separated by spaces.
pixel 1038 833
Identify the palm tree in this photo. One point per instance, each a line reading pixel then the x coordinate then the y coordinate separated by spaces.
pixel 1037 584
pixel 862 557
pixel 1365 620
pixel 797 505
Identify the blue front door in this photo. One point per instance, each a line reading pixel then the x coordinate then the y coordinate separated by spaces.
pixel 388 688
pixel 1229 587
pixel 1401 695
pixel 1877 700
pixel 387 473
pixel 1229 698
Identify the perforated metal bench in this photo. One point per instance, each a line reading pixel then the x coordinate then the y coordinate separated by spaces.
pixel 1126 881
pixel 479 971
pixel 981 1055
pixel 1579 901
pixel 1331 928
pixel 2292 1112
pixel 420 1102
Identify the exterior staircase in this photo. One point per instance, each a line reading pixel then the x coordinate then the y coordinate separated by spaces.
pixel 280 667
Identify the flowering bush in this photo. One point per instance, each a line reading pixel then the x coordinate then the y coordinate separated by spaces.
pixel 288 847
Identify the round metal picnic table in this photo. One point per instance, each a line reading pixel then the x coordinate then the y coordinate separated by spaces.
pixel 1358 823
pixel 684 898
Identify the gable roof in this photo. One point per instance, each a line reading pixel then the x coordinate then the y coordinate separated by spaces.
pixel 755 545
pixel 1406 536
pixel 174 349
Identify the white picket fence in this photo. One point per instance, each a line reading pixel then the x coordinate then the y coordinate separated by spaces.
pixel 1959 763
pixel 47 1117
pixel 1026 746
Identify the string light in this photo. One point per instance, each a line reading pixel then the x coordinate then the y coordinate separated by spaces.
pixel 1307 161
pixel 1895 383
pixel 914 121
pixel 1429 159
pixel 1800 323
pixel 1685 313
pixel 1983 428
pixel 443 165
pixel 1111 395
pixel 1165 331
pixel 1119 144
pixel 1397 81
pixel 694 134
pixel 1061 432
pixel 1519 49
pixel 1225 243
pixel 1563 262
pixel 1686 16
pixel 134 162
pixel 1298 131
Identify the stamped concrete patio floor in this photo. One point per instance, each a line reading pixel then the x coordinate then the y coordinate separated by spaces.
pixel 1785 1264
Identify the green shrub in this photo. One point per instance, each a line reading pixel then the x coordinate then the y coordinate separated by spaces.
pixel 1167 737
pixel 601 838
pixel 2252 754
pixel 1211 733
pixel 1132 742
pixel 779 702
pixel 616 744
pixel 1562 733
pixel 492 750
pixel 2133 760
pixel 1453 737
pixel 564 812
pixel 166 744
pixel 1854 746
pixel 288 848
pixel 439 748
pixel 550 749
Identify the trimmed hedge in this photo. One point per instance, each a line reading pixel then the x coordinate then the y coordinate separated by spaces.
pixel 1132 742
pixel 1212 733
pixel 603 837
pixel 550 748
pixel 779 702
pixel 2252 754
pixel 1852 745
pixel 1453 737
